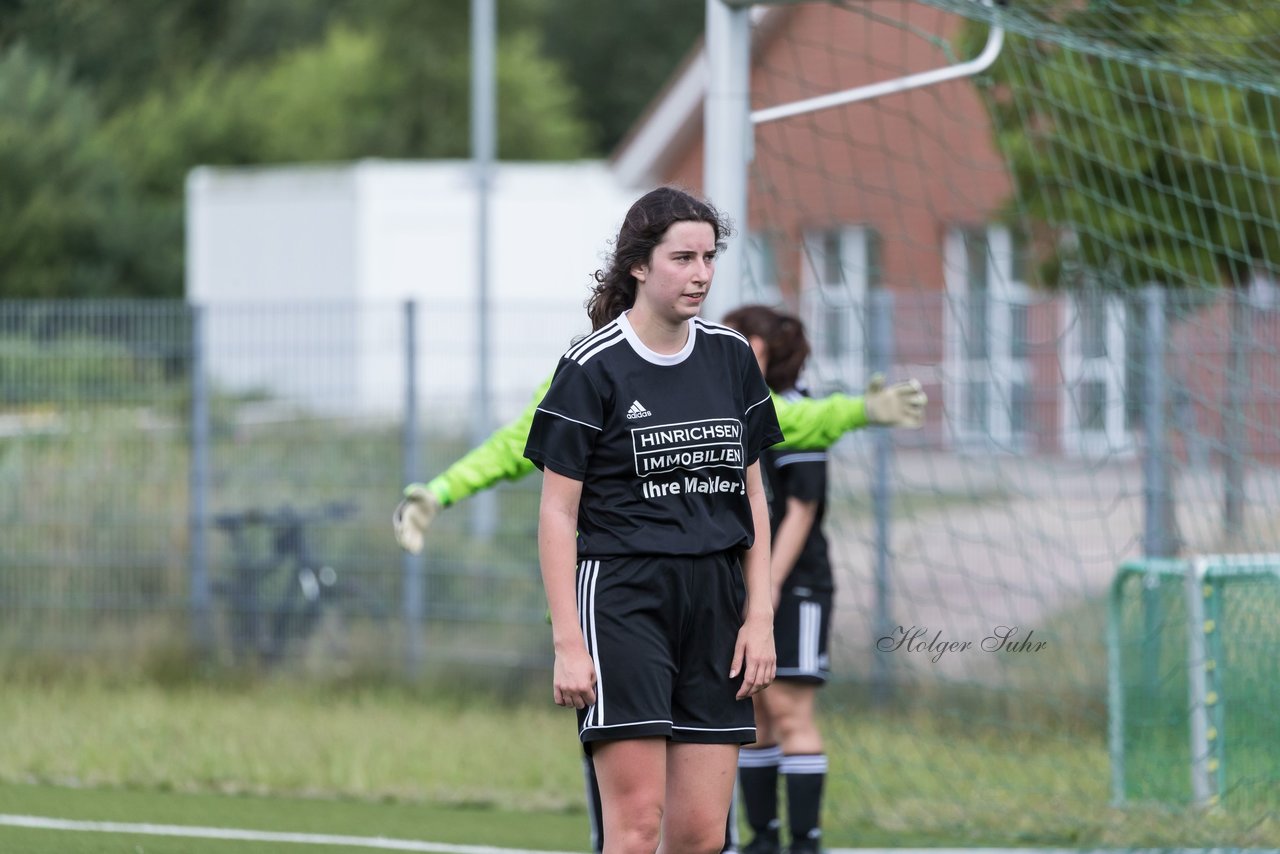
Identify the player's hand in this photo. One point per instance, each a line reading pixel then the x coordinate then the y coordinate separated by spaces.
pixel 574 678
pixel 899 405
pixel 754 656
pixel 413 516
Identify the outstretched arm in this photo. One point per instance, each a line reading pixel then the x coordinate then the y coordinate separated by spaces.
pixel 499 457
pixel 805 423
pixel 809 423
pixel 818 423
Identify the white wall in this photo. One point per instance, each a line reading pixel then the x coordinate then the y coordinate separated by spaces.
pixel 364 237
pixel 258 235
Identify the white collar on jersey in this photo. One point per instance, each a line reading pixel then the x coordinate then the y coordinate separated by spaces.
pixel 648 355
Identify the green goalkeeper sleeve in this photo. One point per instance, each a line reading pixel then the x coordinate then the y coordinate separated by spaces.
pixel 815 424
pixel 499 457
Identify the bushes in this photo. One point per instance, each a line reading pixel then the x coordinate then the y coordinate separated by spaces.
pixel 73 370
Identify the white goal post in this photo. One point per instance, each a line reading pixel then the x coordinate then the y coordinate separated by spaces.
pixel 730 122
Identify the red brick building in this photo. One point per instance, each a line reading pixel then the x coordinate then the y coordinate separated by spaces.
pixel 908 193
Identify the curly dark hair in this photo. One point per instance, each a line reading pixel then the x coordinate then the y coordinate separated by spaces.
pixel 646 222
pixel 784 337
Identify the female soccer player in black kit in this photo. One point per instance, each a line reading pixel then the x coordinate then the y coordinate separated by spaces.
pixel 788 740
pixel 653 534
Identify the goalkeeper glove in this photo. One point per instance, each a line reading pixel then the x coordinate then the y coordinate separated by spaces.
pixel 413 516
pixel 899 405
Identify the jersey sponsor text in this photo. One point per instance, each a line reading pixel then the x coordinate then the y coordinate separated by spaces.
pixel 696 458
pixel 693 485
pixel 672 435
pixel 713 443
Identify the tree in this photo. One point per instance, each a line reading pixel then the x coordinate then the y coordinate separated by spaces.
pixel 619 55
pixel 111 220
pixel 148 89
pixel 123 51
pixel 1155 166
pixel 67 224
pixel 1148 134
pixel 612 58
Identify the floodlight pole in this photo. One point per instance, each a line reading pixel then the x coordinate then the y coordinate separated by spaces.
pixel 483 147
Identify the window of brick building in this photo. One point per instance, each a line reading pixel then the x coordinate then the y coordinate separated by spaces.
pixel 988 384
pixel 840 266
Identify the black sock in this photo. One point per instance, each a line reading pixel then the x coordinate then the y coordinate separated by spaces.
pixel 805 775
pixel 595 812
pixel 758 775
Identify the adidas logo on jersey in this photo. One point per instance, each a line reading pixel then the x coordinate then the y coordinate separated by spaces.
pixel 637 410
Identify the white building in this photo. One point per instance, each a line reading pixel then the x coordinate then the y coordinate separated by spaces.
pixel 303 272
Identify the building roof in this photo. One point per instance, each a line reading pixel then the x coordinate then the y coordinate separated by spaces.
pixel 673 119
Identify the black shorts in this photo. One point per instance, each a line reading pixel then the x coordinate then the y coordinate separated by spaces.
pixel 661 630
pixel 801 628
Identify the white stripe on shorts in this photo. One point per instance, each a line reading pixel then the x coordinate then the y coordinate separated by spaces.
pixel 751 728
pixel 810 632
pixel 590 571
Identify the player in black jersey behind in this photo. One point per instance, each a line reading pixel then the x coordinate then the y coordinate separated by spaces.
pixel 788 740
pixel 649 438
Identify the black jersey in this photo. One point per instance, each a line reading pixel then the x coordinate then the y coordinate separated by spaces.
pixel 801 474
pixel 660 442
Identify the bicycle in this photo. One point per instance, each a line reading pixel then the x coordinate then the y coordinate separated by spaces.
pixel 278 600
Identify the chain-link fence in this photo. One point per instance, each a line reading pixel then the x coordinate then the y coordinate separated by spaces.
pixel 222 478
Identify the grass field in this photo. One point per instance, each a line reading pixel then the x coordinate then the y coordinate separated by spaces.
pixel 455 824
pixel 407 763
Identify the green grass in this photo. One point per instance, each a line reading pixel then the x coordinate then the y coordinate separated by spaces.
pixel 286 739
pixel 407 762
pixel 422 821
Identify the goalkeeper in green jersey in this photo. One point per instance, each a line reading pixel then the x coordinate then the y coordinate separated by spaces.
pixel 805 423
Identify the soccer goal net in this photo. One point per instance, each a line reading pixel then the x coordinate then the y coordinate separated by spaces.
pixel 1194 708
pixel 1077 251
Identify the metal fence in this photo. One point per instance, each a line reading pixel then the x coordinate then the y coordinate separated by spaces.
pixel 221 479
